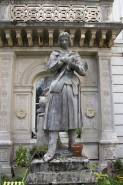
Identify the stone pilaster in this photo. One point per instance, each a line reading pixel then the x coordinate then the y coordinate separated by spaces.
pixel 22 114
pixel 108 138
pixel 6 108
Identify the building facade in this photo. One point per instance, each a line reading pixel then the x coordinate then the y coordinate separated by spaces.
pixel 29 33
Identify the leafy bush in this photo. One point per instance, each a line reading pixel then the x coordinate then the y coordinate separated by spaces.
pixel 93 166
pixel 20 156
pixel 38 151
pixel 118 165
pixel 4 178
pixel 78 131
pixel 108 180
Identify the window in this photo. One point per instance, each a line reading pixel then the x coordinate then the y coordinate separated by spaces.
pixel 42 88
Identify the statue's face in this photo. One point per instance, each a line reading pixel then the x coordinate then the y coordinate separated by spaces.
pixel 64 42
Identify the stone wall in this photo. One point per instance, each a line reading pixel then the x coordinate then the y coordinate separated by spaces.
pixel 117 72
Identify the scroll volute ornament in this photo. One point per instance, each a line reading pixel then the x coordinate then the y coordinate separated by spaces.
pixel 90 112
pixel 21 113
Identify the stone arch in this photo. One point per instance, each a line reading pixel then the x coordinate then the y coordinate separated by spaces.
pixel 32 71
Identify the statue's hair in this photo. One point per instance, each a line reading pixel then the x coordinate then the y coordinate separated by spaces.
pixel 64 34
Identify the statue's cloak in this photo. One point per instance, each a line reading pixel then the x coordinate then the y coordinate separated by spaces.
pixel 63 109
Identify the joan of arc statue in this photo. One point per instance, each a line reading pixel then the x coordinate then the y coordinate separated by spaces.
pixel 63 109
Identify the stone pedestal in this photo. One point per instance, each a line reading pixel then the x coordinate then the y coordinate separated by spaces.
pixel 61 170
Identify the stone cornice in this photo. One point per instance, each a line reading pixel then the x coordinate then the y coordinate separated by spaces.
pixel 46 33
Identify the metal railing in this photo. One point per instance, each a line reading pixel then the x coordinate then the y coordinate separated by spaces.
pixel 17 183
pixel 13 183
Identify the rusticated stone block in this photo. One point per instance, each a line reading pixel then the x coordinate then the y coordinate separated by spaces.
pixel 61 178
pixel 61 164
pixel 61 171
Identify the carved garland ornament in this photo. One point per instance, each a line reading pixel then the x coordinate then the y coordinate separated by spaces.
pixel 90 112
pixel 21 113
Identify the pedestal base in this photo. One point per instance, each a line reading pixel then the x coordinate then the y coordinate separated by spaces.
pixel 61 170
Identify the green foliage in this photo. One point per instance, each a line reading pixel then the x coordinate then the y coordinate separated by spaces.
pixel 118 165
pixel 108 180
pixel 100 176
pixel 4 178
pixel 66 131
pixel 20 156
pixel 78 131
pixel 92 166
pixel 42 149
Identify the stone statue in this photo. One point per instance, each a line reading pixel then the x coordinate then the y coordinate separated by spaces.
pixel 63 109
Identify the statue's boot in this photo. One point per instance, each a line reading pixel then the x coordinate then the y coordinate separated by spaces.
pixel 53 137
pixel 60 145
pixel 71 136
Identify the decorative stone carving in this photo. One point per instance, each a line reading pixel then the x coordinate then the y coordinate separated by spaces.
pixel 111 37
pixel 102 38
pixel 90 112
pixel 4 94
pixel 93 36
pixel 3 124
pixel 106 94
pixel 72 34
pixel 40 37
pixel 1 41
pixel 82 38
pixel 21 104
pixel 91 75
pixel 29 36
pixel 19 37
pixel 21 113
pixel 26 68
pixel 109 153
pixel 50 37
pixel 9 37
pixel 63 106
pixel 3 155
pixel 46 12
pixel 89 102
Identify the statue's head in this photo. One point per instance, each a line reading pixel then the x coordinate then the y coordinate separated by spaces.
pixel 64 40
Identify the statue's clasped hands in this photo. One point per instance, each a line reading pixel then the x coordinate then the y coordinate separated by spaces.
pixel 67 60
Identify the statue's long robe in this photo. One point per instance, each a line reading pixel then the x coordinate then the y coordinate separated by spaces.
pixel 63 110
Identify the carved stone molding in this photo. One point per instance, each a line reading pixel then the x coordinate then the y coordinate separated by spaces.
pixel 9 37
pixel 29 37
pixel 109 152
pixel 106 94
pixel 19 37
pixel 86 35
pixel 5 75
pixel 91 74
pixel 82 38
pixel 72 34
pixel 40 37
pixel 21 113
pixel 1 41
pixel 90 112
pixel 89 106
pixel 50 37
pixel 48 12
pixel 93 36
pixel 3 155
pixel 27 68
pixel 21 107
